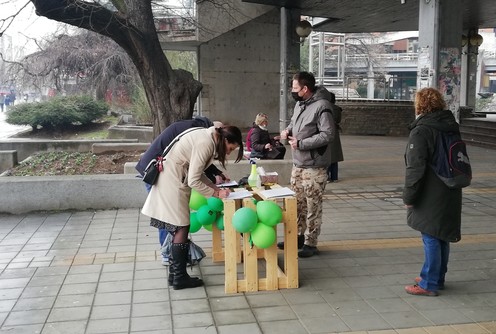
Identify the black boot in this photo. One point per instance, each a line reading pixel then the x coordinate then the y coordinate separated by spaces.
pixel 181 279
pixel 301 241
pixel 170 279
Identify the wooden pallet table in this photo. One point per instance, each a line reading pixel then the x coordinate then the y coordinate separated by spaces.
pixel 237 249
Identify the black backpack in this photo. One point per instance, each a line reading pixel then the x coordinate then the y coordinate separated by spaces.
pixel 450 160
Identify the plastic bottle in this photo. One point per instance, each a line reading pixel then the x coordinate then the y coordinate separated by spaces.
pixel 253 178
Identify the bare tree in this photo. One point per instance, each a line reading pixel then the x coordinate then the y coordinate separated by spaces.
pixel 87 62
pixel 170 93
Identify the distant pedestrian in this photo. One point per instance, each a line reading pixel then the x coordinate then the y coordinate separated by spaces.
pixel 433 209
pixel 2 100
pixel 7 101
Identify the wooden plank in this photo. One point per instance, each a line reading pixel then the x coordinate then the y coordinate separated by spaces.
pixel 290 242
pixel 231 242
pixel 271 267
pixel 250 264
pixel 217 250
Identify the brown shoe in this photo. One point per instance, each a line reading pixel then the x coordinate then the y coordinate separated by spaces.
pixel 418 279
pixel 418 291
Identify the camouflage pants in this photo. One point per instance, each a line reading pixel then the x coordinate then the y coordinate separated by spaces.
pixel 309 185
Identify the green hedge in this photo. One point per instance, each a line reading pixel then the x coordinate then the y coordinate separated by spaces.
pixel 58 112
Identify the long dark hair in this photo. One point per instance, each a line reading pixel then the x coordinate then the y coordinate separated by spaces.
pixel 233 136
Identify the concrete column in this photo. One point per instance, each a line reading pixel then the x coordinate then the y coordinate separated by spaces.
pixel 290 62
pixel 469 75
pixel 439 65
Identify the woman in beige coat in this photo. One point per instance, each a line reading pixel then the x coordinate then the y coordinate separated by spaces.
pixel 168 201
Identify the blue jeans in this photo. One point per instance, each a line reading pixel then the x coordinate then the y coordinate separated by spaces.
pixel 162 233
pixel 435 264
pixel 332 171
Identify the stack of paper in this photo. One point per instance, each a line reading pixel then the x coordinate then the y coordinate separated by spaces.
pixel 277 192
pixel 240 194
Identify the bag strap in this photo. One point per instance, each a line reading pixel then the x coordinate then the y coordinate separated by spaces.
pixel 168 148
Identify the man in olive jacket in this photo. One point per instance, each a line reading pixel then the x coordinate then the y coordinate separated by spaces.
pixel 432 208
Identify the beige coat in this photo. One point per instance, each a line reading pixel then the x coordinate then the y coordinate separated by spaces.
pixel 185 163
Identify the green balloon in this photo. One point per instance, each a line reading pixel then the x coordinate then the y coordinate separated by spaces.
pixel 194 224
pixel 263 236
pixel 220 222
pixel 208 227
pixel 244 220
pixel 215 204
pixel 205 215
pixel 196 200
pixel 269 213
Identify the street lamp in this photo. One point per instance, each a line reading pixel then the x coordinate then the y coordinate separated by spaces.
pixel 303 30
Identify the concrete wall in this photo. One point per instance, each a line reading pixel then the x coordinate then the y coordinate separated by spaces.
pixel 143 134
pixel 27 147
pixel 81 192
pixel 8 159
pixel 86 192
pixel 240 73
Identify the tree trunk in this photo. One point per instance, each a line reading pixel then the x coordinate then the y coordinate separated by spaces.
pixel 171 93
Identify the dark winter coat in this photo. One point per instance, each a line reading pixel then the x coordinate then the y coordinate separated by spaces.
pixel 259 138
pixel 436 209
pixel 336 148
pixel 158 146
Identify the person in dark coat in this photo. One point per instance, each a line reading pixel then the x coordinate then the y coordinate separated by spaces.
pixel 336 148
pixel 161 142
pixel 433 209
pixel 262 145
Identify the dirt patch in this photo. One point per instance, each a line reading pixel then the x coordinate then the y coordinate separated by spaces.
pixel 114 163
pixel 73 163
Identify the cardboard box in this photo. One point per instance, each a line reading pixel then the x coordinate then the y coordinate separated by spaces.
pixel 267 178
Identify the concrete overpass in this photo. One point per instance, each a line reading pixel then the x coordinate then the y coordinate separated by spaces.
pixel 347 16
pixel 254 50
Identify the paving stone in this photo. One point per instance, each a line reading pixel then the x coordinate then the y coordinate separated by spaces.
pixel 26 304
pixel 69 314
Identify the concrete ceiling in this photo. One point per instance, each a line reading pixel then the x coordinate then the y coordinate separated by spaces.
pixel 352 16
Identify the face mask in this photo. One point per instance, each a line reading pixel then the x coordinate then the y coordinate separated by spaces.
pixel 262 127
pixel 296 97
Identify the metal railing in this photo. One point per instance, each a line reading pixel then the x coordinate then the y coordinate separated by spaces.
pixel 357 87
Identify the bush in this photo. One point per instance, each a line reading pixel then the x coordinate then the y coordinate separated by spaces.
pixel 58 112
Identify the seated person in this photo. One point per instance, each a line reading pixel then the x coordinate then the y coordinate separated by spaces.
pixel 262 146
pixel 248 139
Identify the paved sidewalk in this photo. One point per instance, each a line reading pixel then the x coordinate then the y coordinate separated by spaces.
pixel 99 272
pixel 8 130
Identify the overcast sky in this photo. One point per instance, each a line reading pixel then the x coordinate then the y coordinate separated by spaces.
pixel 26 25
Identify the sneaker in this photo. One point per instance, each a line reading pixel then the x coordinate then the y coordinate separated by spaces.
pixel 301 241
pixel 418 279
pixel 308 251
pixel 165 261
pixel 418 291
